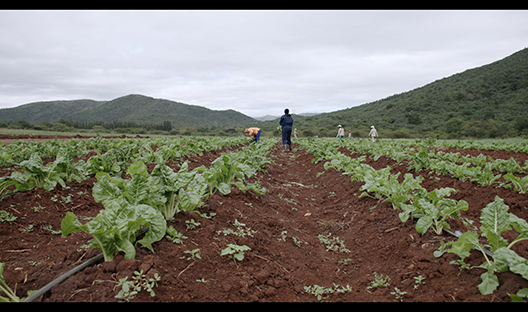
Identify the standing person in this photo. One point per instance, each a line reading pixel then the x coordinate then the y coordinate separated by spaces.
pixel 340 133
pixel 286 122
pixel 349 135
pixel 373 133
pixel 295 133
pixel 254 132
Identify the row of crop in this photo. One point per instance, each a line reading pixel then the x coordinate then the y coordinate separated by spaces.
pixel 169 148
pixel 151 200
pixel 480 169
pixel 499 145
pixel 520 146
pixel 113 157
pixel 432 210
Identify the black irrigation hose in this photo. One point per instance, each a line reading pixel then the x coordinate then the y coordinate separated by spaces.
pixel 66 275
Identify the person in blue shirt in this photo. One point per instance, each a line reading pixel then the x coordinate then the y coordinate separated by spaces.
pixel 286 122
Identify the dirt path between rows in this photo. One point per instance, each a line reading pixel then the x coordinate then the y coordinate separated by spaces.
pixel 303 201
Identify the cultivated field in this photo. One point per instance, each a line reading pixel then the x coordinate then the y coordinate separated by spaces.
pixel 354 221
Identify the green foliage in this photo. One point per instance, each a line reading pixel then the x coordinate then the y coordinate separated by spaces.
pixel 174 235
pixel 333 243
pixel 433 209
pixel 520 184
pixel 495 220
pixel 163 189
pixel 139 282
pixel 320 291
pixel 115 227
pixel 35 175
pixel 234 251
pixel 6 216
pixel 379 281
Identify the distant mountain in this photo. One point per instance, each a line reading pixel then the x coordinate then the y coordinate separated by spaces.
pixel 51 111
pixel 134 107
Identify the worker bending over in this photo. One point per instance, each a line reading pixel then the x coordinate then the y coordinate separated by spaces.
pixel 254 132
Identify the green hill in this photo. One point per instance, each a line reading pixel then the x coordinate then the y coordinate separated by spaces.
pixel 129 108
pixel 488 101
pixel 51 111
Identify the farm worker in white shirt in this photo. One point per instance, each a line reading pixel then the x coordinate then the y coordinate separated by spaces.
pixel 340 133
pixel 373 133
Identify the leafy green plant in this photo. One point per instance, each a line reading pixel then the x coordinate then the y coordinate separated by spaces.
pixel 375 183
pixel 379 281
pixel 418 280
pixel 193 254
pixel 320 291
pixel 433 209
pixel 115 227
pixel 398 293
pixel 165 190
pixel 139 282
pixel 103 163
pixel 333 243
pixel 64 163
pixel 399 194
pixel 235 251
pixel 191 224
pixel 520 184
pixel 241 230
pixel 486 176
pixel 518 297
pixel 6 216
pixel 174 235
pixel 495 219
pixel 183 190
pixel 35 175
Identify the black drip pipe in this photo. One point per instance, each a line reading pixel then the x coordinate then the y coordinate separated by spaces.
pixel 64 276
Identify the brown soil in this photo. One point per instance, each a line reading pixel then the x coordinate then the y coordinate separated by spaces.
pixel 303 201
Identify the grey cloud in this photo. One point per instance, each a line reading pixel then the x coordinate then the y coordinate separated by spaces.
pixel 255 62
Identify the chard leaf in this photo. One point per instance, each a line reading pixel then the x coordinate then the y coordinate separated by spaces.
pixel 521 226
pixel 138 167
pixel 224 188
pixel 505 257
pixel 463 245
pixel 104 190
pixel 188 200
pixel 116 228
pixel 156 223
pixel 102 241
pixel 137 190
pixel 489 283
pixel 423 224
pixel 494 220
pixel 404 216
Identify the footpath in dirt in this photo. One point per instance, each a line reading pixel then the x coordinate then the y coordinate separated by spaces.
pixel 284 227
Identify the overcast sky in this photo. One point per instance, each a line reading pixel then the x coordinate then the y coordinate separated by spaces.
pixel 255 62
